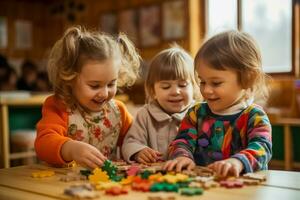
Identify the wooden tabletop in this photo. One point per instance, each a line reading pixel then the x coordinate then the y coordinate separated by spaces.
pixel 17 183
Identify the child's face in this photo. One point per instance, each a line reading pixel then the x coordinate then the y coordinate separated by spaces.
pixel 96 84
pixel 219 88
pixel 173 95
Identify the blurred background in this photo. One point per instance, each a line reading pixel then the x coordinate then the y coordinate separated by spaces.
pixel 29 28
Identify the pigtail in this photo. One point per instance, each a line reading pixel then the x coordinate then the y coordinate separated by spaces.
pixel 129 70
pixel 62 63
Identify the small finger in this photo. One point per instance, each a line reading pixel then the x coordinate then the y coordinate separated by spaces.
pixel 145 158
pixel 180 164
pixel 225 169
pixel 191 166
pixel 172 165
pixel 235 171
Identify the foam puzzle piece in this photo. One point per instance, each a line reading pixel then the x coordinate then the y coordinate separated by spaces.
pixel 42 174
pixel 191 191
pixel 98 176
pixel 128 180
pixel 110 168
pixel 170 178
pixel 167 187
pixel 231 183
pixel 106 185
pixel 85 172
pixel 210 184
pixel 248 181
pixel 141 186
pixel 115 190
pixel 83 191
pixel 195 185
pixel 133 170
pixel 72 176
pixel 255 176
pixel 204 171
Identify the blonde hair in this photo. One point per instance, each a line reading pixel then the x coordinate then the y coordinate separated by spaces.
pixel 237 51
pixel 170 64
pixel 77 46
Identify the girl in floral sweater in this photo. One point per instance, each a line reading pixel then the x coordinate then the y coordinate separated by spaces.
pixel 81 121
pixel 228 132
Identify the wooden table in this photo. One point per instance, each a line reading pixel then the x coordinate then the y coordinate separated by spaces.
pixel 17 183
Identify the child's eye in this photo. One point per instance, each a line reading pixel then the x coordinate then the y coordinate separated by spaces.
pixel 183 84
pixel 165 87
pixel 94 86
pixel 216 83
pixel 202 83
pixel 111 85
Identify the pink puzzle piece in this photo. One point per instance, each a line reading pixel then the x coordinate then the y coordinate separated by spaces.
pixel 133 170
pixel 231 184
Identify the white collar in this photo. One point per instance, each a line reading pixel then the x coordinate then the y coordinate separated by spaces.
pixel 160 115
pixel 236 108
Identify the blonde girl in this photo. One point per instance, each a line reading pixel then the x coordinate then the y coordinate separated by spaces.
pixel 228 132
pixel 82 121
pixel 170 90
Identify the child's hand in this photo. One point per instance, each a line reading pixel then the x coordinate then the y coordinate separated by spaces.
pixel 179 163
pixel 82 153
pixel 231 166
pixel 147 155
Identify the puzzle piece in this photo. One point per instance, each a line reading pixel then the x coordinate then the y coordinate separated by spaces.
pixel 133 170
pixel 231 183
pixel 204 171
pixel 191 191
pixel 170 178
pixel 85 172
pixel 203 179
pixel 98 176
pixel 110 168
pixel 106 185
pixel 42 174
pixel 116 191
pixel 81 191
pixel 72 176
pixel 195 185
pixel 255 176
pixel 168 187
pixel 141 186
pixel 247 181
pixel 210 184
pixel 128 180
pixel 145 174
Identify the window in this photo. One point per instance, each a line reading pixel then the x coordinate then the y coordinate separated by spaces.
pixel 268 21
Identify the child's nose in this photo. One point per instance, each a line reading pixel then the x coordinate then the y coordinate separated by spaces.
pixel 103 92
pixel 175 90
pixel 207 89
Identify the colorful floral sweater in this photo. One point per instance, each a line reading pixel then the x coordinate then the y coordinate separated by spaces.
pixel 105 129
pixel 206 137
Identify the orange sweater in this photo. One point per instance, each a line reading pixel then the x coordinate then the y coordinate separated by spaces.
pixel 52 129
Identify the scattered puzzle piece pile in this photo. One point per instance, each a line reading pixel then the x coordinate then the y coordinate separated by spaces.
pixel 115 178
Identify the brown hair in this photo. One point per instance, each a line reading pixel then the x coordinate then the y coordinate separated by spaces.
pixel 238 51
pixel 77 46
pixel 170 64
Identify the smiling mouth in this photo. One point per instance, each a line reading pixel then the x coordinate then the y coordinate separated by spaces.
pixel 175 101
pixel 212 100
pixel 98 102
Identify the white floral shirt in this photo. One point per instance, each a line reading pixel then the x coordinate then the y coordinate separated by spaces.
pixel 100 129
